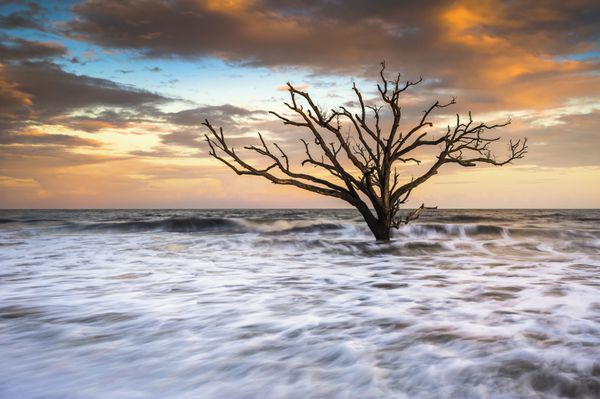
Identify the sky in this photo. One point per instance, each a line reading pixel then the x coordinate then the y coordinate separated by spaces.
pixel 101 101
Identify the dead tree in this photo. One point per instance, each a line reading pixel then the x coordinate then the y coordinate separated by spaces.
pixel 361 165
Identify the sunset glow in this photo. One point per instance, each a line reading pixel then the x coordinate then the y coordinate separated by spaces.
pixel 101 101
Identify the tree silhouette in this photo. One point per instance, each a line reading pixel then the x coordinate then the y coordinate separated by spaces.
pixel 361 164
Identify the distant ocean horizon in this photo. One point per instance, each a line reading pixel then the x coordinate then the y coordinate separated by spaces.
pixel 297 303
pixel 406 208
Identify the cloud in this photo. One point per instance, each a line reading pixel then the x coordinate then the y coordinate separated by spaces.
pixel 34 137
pixel 327 33
pixel 476 47
pixel 18 49
pixel 92 122
pixel 11 95
pixel 18 159
pixel 36 91
pixel 29 18
pixel 41 92
pixel 255 32
pixel 301 87
pixel 572 142
pixel 235 120
pixel 56 91
pixel 184 138
pixel 221 115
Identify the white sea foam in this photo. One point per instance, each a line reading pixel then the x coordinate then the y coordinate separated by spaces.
pixel 298 304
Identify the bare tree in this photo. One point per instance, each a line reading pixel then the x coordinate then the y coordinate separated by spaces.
pixel 361 165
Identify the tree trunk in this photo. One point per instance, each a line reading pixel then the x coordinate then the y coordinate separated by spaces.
pixel 379 225
pixel 380 229
pixel 382 233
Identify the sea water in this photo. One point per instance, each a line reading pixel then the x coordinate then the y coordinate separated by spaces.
pixel 299 304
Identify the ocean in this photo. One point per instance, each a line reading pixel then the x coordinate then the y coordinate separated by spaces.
pixel 298 304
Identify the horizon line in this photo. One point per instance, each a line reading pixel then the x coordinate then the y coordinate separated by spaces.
pixel 283 208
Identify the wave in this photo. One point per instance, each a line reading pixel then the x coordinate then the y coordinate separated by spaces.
pixel 172 225
pixel 353 230
pixel 288 227
pixel 467 219
pixel 30 221
pixel 452 230
pixel 212 225
pixel 314 228
pixel 586 219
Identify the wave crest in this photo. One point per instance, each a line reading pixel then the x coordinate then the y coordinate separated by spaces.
pixel 214 225
pixel 452 230
pixel 173 225
pixel 329 229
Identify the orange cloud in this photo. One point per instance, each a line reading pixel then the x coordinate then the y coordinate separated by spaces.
pixel 227 6
pixel 11 95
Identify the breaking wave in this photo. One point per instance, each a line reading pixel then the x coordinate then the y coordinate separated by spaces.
pixel 240 226
pixel 298 304
pixel 173 225
pixel 210 225
pixel 325 229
